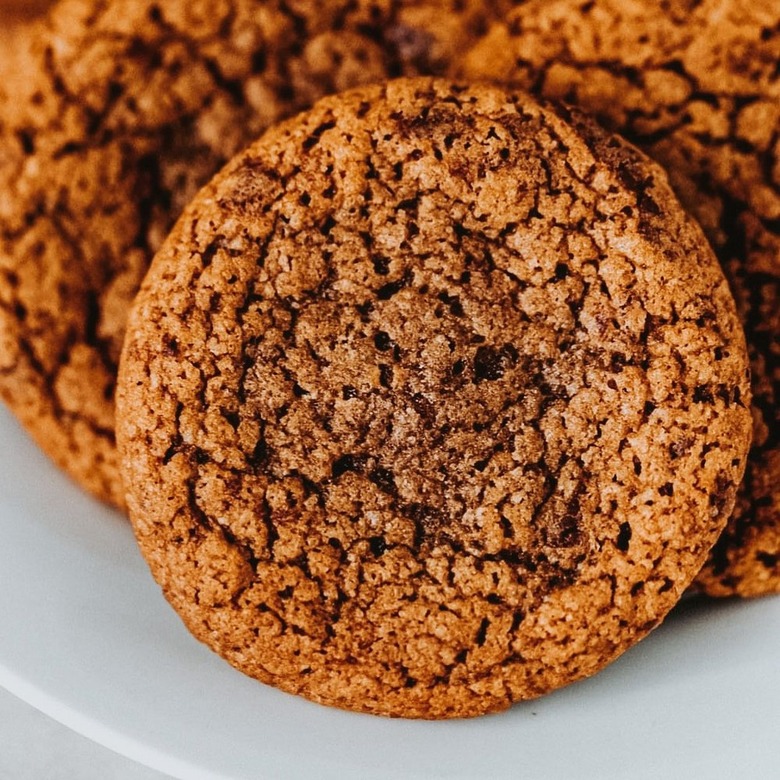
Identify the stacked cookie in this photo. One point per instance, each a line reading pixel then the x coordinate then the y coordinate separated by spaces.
pixel 434 399
pixel 129 108
pixel 697 87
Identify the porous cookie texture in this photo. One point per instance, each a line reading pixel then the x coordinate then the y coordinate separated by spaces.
pixel 697 86
pixel 434 400
pixel 126 108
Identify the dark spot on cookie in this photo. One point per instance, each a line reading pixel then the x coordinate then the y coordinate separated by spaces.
pixel 383 479
pixel 647 204
pixel 567 533
pixel 286 593
pixel 365 309
pixel 328 225
pixel 378 545
pixel 259 61
pixel 260 453
pixel 624 537
pixel 20 311
pixel 390 289
pixel 666 585
pixel 382 341
pixel 427 520
pixel 488 364
pixel 460 230
pixel 453 302
pixel 424 408
pixel 314 138
pixel 617 362
pixel 172 450
pixel 26 140
pixel 353 463
pixel 381 265
pixel 386 375
pixel 481 636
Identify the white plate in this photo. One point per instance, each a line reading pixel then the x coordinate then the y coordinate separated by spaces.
pixel 86 637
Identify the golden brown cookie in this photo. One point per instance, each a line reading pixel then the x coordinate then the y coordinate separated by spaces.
pixel 15 20
pixel 434 400
pixel 697 86
pixel 128 107
pixel 22 10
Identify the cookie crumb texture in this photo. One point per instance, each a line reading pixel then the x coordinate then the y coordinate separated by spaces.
pixel 126 108
pixel 696 85
pixel 434 400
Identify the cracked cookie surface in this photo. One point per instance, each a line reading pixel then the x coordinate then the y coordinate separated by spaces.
pixel 696 85
pixel 128 107
pixel 433 400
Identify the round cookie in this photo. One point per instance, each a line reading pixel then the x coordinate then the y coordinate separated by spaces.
pixel 696 86
pixel 433 400
pixel 128 107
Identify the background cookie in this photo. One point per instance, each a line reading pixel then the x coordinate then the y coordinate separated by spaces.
pixel 432 401
pixel 13 10
pixel 129 107
pixel 15 16
pixel 696 85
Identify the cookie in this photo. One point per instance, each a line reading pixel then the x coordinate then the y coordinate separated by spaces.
pixel 15 21
pixel 434 400
pixel 130 106
pixel 696 86
pixel 19 10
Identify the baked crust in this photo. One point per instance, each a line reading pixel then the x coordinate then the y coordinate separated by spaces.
pixel 434 400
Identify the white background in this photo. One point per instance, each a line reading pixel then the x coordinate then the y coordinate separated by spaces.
pixel 35 747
